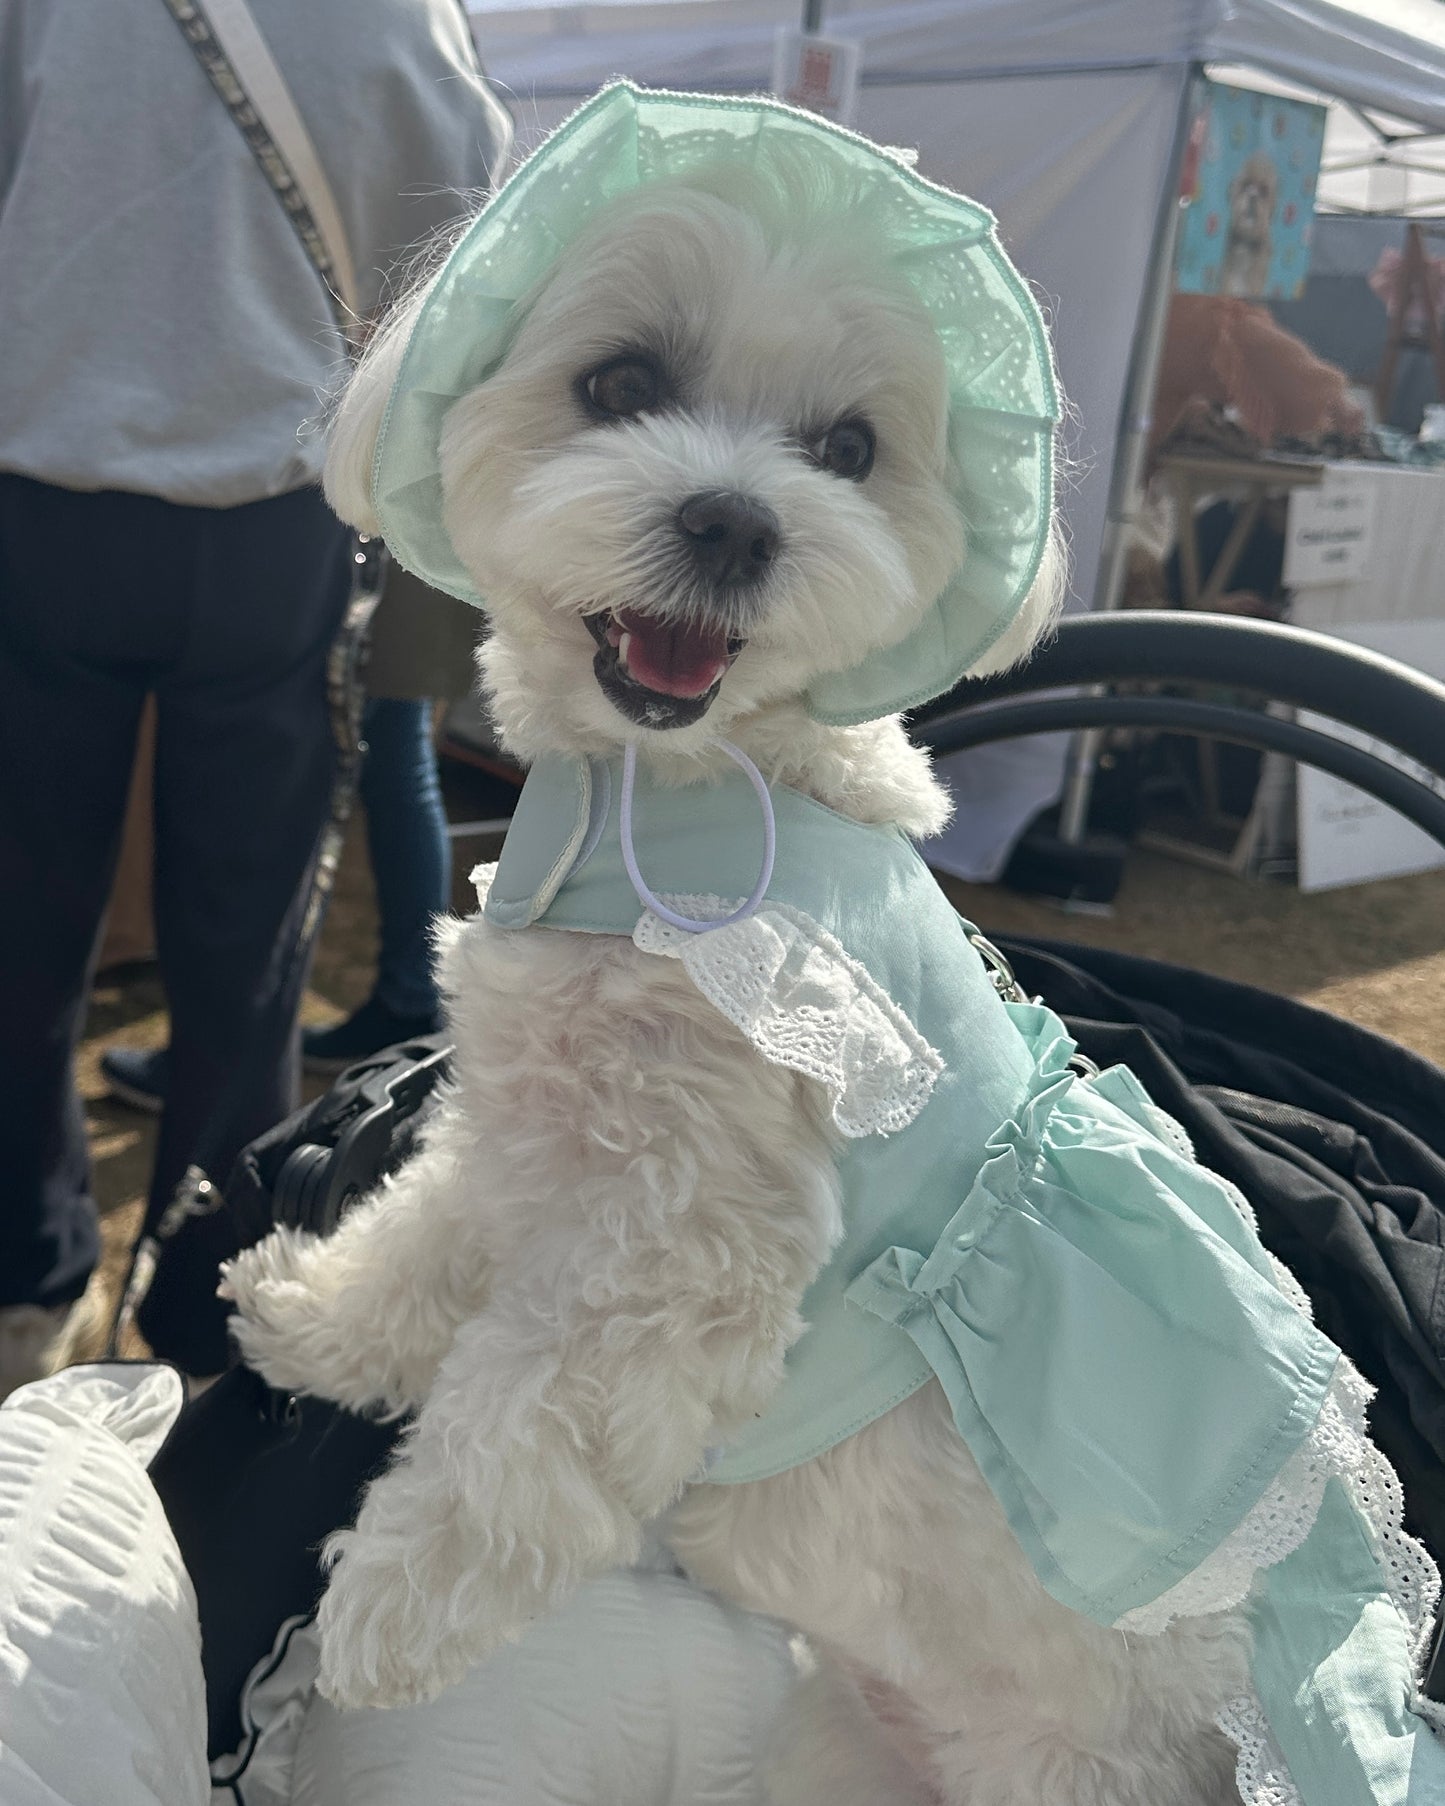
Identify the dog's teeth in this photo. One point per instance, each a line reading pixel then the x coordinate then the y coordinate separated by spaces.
pixel 622 646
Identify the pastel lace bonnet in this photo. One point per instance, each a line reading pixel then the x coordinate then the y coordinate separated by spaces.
pixel 1003 396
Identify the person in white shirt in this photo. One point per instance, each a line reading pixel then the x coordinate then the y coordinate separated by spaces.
pixel 165 351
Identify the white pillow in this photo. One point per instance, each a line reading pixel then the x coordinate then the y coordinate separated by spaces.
pixel 102 1698
pixel 643 1690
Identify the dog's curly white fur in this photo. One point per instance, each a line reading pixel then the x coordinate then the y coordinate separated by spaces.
pixel 594 1267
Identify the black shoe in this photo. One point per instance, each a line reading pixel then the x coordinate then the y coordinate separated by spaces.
pixel 137 1076
pixel 373 1027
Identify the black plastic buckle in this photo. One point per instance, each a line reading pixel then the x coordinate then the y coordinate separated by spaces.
pixel 316 1182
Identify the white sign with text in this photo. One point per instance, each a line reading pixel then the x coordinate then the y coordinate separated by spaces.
pixel 1346 837
pixel 1331 530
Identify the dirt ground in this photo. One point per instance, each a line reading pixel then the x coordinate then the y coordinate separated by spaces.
pixel 1372 953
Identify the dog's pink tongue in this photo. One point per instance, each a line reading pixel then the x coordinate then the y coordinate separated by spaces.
pixel 672 658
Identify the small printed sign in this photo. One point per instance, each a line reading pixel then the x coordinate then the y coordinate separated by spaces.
pixel 1330 532
pixel 818 74
pixel 1345 836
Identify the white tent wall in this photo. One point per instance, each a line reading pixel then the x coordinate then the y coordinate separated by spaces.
pixel 1061 116
pixel 1077 199
pixel 1378 53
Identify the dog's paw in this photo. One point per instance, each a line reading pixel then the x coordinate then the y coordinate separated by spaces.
pixel 277 1259
pixel 279 1319
pixel 390 1634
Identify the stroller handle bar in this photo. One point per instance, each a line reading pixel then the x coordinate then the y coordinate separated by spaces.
pixel 1389 703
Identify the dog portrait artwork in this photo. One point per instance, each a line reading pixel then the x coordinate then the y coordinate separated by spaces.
pixel 1249 236
pixel 759 1209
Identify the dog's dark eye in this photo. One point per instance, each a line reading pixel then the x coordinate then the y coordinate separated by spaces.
pixel 846 449
pixel 625 386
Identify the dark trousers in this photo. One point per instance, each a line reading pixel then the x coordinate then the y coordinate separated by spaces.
pixel 226 615
pixel 411 856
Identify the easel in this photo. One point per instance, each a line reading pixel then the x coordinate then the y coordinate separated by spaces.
pixel 1416 287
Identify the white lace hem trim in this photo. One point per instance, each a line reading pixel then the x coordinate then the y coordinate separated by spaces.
pixel 1412 1577
pixel 1338 1445
pixel 1261 1774
pixel 1281 1519
pixel 805 1003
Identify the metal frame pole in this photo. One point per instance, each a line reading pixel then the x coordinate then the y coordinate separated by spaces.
pixel 1127 487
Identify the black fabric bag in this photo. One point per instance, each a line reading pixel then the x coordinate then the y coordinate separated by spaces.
pixel 252 1480
pixel 1335 1136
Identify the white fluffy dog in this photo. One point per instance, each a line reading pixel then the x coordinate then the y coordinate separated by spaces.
pixel 712 465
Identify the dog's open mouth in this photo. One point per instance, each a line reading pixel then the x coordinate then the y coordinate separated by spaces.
pixel 657 673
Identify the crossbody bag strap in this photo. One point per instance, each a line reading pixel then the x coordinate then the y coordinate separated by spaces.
pixel 227 43
pixel 240 67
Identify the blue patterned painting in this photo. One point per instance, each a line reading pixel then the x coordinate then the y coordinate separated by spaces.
pixel 1249 185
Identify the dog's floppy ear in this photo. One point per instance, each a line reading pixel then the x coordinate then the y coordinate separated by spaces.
pixel 1040 610
pixel 356 423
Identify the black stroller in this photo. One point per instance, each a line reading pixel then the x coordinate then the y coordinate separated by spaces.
pixel 1337 1136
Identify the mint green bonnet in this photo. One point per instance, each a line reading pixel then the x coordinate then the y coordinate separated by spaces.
pixel 1003 397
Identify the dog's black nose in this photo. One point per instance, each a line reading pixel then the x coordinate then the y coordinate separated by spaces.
pixel 732 538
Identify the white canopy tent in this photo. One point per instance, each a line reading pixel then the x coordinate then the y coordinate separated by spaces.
pixel 1067 118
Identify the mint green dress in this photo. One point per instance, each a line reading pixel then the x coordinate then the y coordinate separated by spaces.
pixel 1163 1425
pixel 1141 1385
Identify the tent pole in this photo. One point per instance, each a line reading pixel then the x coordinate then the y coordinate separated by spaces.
pixel 1126 494
pixel 812 17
